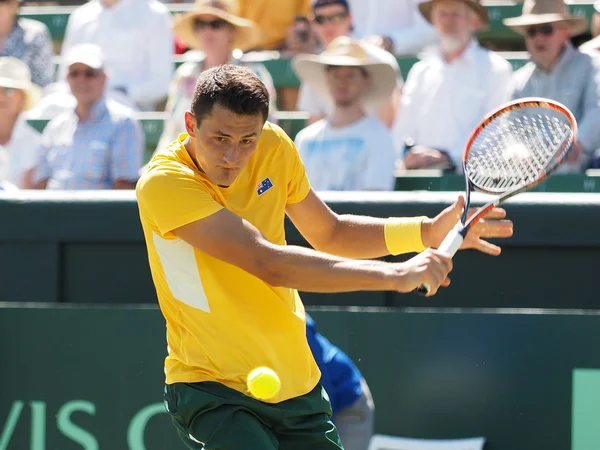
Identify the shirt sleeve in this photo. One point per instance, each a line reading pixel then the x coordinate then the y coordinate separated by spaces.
pixel 298 186
pixel 127 151
pixel 42 66
pixel 169 199
pixel 42 168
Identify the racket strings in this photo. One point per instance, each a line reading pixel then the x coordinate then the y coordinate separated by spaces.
pixel 516 149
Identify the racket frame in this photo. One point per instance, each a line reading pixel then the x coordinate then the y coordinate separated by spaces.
pixel 455 237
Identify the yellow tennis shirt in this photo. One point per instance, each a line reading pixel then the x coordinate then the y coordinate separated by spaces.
pixel 221 321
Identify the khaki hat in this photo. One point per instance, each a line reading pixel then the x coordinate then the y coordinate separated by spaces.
pixel 539 12
pixel 248 34
pixel 15 74
pixel 480 10
pixel 345 51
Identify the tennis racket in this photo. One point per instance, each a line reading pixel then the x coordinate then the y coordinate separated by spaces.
pixel 514 148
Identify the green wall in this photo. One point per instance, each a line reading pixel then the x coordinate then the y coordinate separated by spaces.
pixel 89 377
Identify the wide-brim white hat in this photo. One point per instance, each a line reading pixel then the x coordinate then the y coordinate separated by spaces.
pixel 540 12
pixel 347 52
pixel 15 74
pixel 248 35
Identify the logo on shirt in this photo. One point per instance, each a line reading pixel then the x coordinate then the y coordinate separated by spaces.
pixel 264 186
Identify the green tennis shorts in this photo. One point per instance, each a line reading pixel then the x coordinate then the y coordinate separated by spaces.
pixel 212 416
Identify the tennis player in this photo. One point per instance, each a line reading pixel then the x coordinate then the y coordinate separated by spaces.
pixel 212 207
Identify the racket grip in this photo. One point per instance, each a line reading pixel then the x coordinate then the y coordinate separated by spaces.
pixel 449 247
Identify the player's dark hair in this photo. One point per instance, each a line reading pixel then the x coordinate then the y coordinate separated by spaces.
pixel 235 88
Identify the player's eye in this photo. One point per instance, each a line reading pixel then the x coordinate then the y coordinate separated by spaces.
pixel 246 141
pixel 220 139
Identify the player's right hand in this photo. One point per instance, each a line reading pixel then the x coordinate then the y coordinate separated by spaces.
pixel 429 267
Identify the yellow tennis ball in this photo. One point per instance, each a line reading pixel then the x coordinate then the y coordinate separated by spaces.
pixel 263 383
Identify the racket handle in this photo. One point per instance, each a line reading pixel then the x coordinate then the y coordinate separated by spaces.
pixel 449 247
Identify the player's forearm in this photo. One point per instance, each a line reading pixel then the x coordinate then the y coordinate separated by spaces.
pixel 312 271
pixel 363 237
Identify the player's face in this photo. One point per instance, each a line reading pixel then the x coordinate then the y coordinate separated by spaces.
pixel 546 42
pixel 330 22
pixel 223 142
pixel 346 84
pixel 87 84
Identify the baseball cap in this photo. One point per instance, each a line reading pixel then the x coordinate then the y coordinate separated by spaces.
pixel 90 55
pixel 319 3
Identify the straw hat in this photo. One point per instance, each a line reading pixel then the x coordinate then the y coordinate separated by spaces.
pixel 426 7
pixel 248 35
pixel 539 12
pixel 15 74
pixel 345 51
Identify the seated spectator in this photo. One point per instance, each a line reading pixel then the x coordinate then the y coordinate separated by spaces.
pixel 350 149
pixel 560 72
pixel 348 391
pixel 27 40
pixel 217 36
pixel 395 25
pixel 97 145
pixel 136 37
pixel 273 18
pixel 18 140
pixel 449 90
pixel 331 19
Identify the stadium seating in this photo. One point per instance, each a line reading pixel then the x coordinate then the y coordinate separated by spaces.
pixel 56 17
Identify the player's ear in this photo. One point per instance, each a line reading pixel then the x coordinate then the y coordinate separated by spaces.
pixel 190 124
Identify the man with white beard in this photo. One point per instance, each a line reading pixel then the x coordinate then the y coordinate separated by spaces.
pixel 450 90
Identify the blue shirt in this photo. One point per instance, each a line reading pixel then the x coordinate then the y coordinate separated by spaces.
pixel 93 154
pixel 340 377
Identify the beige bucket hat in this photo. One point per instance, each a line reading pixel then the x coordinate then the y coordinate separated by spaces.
pixel 426 6
pixel 345 51
pixel 539 12
pixel 248 34
pixel 15 74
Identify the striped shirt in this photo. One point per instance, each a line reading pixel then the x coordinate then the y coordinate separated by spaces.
pixel 93 154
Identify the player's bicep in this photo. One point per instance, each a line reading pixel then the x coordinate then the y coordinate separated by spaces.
pixel 228 237
pixel 313 219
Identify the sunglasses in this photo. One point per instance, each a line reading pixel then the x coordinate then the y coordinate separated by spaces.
pixel 545 30
pixel 212 24
pixel 334 18
pixel 10 92
pixel 88 73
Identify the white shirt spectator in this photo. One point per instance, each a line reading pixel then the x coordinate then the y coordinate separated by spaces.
pixel 357 157
pixel 19 155
pixel 442 103
pixel 398 19
pixel 136 37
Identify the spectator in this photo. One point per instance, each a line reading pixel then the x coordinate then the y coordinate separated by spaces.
pixel 136 37
pixel 331 19
pixel 349 149
pixel 218 36
pixel 395 25
pixel 273 18
pixel 559 71
pixel 97 145
pixel 348 391
pixel 450 90
pixel 27 40
pixel 18 140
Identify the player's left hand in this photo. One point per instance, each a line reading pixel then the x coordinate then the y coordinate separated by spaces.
pixel 493 225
